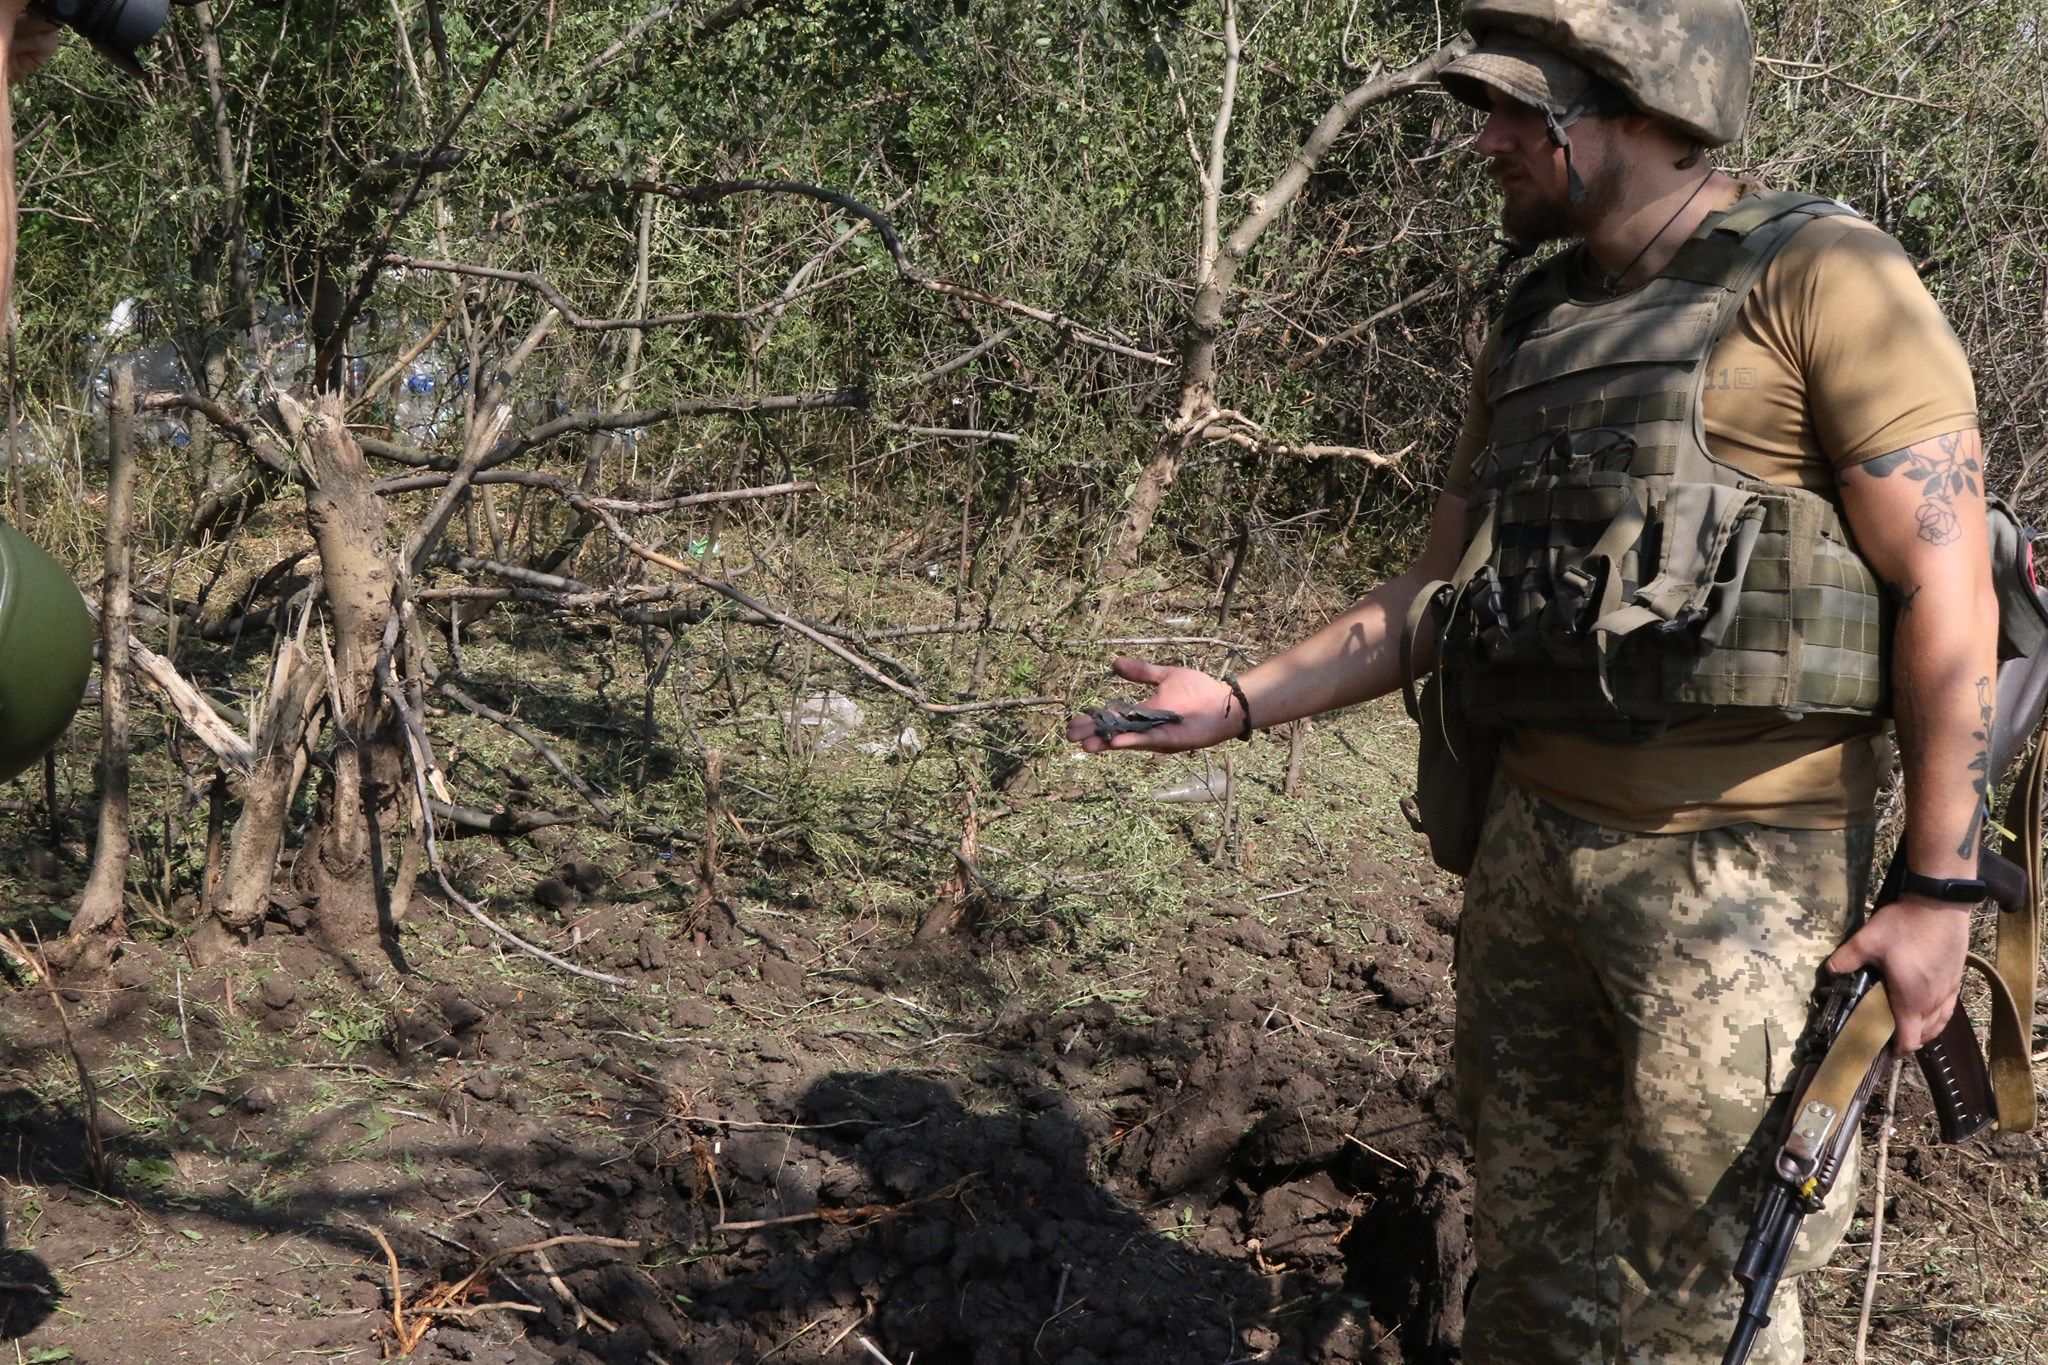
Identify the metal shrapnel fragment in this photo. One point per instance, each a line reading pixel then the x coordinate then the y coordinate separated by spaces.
pixel 1121 718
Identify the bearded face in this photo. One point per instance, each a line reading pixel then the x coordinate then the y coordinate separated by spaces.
pixel 1536 202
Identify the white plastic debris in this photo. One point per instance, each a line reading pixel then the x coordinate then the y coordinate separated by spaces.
pixel 121 321
pixel 1212 785
pixel 825 719
pixel 907 745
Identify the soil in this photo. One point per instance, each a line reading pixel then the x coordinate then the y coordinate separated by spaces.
pixel 796 1136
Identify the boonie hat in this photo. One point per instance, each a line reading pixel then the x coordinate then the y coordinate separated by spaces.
pixel 1522 70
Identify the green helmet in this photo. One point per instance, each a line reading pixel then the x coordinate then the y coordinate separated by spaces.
pixel 46 642
pixel 1686 61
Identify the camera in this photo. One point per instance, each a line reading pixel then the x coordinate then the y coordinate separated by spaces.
pixel 118 28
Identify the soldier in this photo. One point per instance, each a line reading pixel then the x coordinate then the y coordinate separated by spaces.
pixel 1716 512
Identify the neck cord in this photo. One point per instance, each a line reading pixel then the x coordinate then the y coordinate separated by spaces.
pixel 1612 283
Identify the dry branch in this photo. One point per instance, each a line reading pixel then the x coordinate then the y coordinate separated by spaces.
pixel 504 822
pixel 513 446
pixel 533 741
pixel 278 741
pixel 420 752
pixel 190 705
pixel 439 157
pixel 583 322
pixel 812 632
pixel 1360 328
pixel 912 273
pixel 410 1326
pixel 1213 290
pixel 864 1214
pixel 257 442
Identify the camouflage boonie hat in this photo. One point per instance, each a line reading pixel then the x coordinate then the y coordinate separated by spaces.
pixel 1686 61
pixel 1536 75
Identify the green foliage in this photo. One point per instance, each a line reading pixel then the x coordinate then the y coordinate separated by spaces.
pixel 1045 153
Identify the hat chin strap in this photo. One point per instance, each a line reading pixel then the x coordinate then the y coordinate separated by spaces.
pixel 1555 126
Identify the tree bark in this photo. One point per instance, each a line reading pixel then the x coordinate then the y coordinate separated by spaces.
pixel 101 919
pixel 346 866
pixel 279 739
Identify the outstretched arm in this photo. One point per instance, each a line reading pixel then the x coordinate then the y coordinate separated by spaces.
pixel 1918 514
pixel 1352 659
pixel 26 42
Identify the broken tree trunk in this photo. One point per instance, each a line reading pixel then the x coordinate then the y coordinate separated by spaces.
pixel 280 741
pixel 345 868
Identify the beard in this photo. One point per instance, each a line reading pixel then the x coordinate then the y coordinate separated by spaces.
pixel 1533 214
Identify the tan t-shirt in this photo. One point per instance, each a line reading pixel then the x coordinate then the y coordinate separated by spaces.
pixel 1838 355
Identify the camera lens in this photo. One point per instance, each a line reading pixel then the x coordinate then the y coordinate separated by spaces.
pixel 118 27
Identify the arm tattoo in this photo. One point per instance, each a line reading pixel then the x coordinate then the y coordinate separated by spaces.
pixel 1942 477
pixel 1987 701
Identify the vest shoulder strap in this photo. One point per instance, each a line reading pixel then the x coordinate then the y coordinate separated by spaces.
pixel 1734 250
pixel 1539 290
pixel 1747 215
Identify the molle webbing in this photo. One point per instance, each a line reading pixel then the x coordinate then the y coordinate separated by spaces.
pixel 1618 577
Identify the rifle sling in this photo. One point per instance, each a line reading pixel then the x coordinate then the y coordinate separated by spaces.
pixel 2011 975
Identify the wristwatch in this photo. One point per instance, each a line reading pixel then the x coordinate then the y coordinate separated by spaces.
pixel 1961 890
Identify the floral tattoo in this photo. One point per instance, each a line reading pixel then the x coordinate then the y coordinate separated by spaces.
pixel 1942 477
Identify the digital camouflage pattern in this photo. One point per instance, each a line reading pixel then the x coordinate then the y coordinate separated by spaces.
pixel 1686 61
pixel 1628 1006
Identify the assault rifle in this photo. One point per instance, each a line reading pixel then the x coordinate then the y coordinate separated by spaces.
pixel 1845 1053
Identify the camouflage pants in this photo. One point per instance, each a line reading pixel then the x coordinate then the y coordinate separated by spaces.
pixel 1627 1009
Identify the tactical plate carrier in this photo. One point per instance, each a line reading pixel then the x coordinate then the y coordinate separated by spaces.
pixel 1617 577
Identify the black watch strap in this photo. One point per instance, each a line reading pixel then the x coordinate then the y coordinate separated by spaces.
pixel 1961 890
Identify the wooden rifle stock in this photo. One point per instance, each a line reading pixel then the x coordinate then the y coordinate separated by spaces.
pixel 1846 1054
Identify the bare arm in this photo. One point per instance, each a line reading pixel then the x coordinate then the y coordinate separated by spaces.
pixel 26 42
pixel 1354 658
pixel 1918 514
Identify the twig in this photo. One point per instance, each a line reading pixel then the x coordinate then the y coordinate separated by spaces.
pixel 866 1213
pixel 533 741
pixel 581 321
pixel 1354 1138
pixel 911 272
pixel 1781 69
pixel 407 1337
pixel 89 1091
pixel 497 822
pixel 1009 438
pixel 444 1300
pixel 1884 1152
pixel 435 160
pixel 1359 329
pixel 810 631
pixel 583 1311
pixel 846 1332
pixel 15 951
pixel 400 362
pixel 958 362
pixel 178 981
pixel 873 1350
pixel 420 750
pixel 512 447
pixel 258 443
